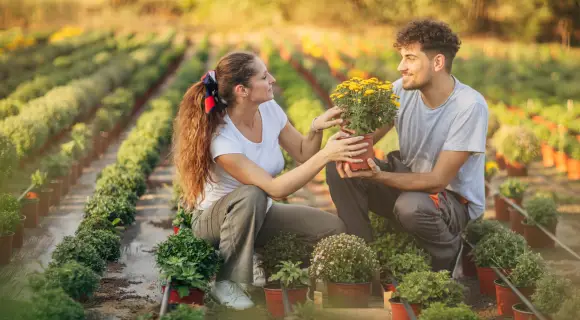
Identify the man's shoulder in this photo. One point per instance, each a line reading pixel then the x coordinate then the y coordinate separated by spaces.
pixel 469 97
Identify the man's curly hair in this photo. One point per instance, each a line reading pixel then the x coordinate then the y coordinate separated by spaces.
pixel 434 37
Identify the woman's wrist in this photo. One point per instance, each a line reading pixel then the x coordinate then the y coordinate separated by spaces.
pixel 313 128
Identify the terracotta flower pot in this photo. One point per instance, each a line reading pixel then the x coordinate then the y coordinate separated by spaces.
pixel 500 160
pixel 515 169
pixel 29 209
pixel 44 204
pixel 195 296
pixel 6 248
pixel 486 278
pixel 500 207
pixel 506 298
pixel 561 161
pixel 349 295
pixel 547 155
pixel 56 186
pixel 573 167
pixel 370 153
pixel 520 312
pixel 536 238
pixel 274 299
pixel 516 220
pixel 399 312
pixel 18 238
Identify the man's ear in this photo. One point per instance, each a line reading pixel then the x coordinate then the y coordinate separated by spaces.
pixel 439 62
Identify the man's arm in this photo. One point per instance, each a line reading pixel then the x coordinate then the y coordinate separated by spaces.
pixel 381 132
pixel 445 170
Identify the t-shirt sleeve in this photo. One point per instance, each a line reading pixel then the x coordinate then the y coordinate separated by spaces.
pixel 468 130
pixel 279 114
pixel 222 144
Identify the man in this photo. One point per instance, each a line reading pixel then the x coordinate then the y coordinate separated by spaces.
pixel 435 184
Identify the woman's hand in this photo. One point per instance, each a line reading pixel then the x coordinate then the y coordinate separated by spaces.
pixel 327 119
pixel 342 147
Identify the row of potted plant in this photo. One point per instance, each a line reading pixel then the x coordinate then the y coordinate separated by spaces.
pixel 80 96
pixel 79 260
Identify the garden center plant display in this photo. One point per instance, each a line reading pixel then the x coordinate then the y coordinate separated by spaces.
pixel 346 263
pixel 368 105
pixel 543 211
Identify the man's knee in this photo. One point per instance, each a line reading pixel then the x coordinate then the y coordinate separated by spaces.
pixel 409 208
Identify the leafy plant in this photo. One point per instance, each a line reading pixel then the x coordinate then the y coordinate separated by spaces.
pixel 97 223
pixel 8 221
pixel 115 191
pixel 77 280
pixel 404 263
pixel 499 249
pixel 71 249
pixel 439 311
pixel 283 247
pixel 529 268
pixel 290 274
pixel 427 287
pixel 108 245
pixel 369 104
pixel 542 210
pixel 188 260
pixel 182 218
pixel 127 178
pixel 521 146
pixel 57 165
pixel 551 291
pixel 9 202
pixel 185 312
pixel 513 188
pixel 570 308
pixel 8 158
pixel 55 304
pixel 39 178
pixel 343 258
pixel 480 228
pixel 111 208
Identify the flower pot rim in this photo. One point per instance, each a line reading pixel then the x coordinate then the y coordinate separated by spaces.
pixel 519 307
pixel 274 287
pixel 499 282
pixel 29 200
pixel 349 284
pixel 6 235
pixel 397 300
pixel 525 223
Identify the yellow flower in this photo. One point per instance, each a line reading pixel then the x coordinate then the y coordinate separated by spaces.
pixel 397 103
pixel 369 92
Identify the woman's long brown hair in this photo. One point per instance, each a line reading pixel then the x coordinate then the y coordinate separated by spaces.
pixel 194 129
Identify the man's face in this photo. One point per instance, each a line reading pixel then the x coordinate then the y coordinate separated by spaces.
pixel 416 68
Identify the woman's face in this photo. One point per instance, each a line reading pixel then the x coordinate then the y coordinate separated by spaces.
pixel 261 83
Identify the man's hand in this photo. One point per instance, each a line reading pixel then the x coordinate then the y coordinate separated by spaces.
pixel 344 170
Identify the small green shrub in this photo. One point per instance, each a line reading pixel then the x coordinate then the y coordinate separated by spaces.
pixel 551 291
pixel 55 304
pixel 521 145
pixel 290 274
pixel 404 263
pixel 499 249
pixel 542 210
pixel 97 223
pixel 570 308
pixel 427 287
pixel 77 280
pixel 283 247
pixel 8 158
pixel 529 268
pixel 115 191
pixel 108 245
pixel 71 249
pixel 480 228
pixel 513 188
pixel 439 311
pixel 185 312
pixel 114 209
pixel 127 178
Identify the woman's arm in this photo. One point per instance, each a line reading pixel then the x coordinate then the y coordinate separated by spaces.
pixel 248 172
pixel 300 147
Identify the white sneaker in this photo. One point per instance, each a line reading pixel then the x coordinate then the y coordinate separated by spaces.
pixel 230 294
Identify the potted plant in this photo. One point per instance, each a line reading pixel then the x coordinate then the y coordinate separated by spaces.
pixel 9 219
pixel 400 264
pixel 108 244
pixel 548 154
pixel 499 250
pixel 8 158
pixel 77 280
pixel 551 291
pixel 40 181
pixel 513 189
pixel 529 268
pixel 283 247
pixel 368 105
pixel 182 219
pixel 73 249
pixel 183 312
pixel 57 168
pixel 573 165
pixel 570 308
pixel 347 264
pixel 82 134
pixel 474 232
pixel 115 209
pixel 190 263
pixel 29 209
pixel 54 303
pixel 289 283
pixel 9 203
pixel 520 148
pixel 423 288
pixel 440 311
pixel 542 210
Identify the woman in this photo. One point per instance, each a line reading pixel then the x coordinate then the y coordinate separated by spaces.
pixel 228 134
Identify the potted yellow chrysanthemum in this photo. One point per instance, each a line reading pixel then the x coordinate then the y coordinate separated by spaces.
pixel 368 105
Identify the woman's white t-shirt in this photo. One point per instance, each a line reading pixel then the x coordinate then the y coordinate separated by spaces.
pixel 266 154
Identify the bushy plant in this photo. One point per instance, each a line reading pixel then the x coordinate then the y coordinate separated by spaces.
pixel 343 258
pixel 427 287
pixel 185 312
pixel 182 218
pixel 369 104
pixel 283 247
pixel 71 249
pixel 97 223
pixel 188 260
pixel 439 311
pixel 541 210
pixel 8 158
pixel 55 304
pixel 513 188
pixel 108 245
pixel 290 274
pixel 39 178
pixel 499 249
pixel 116 210
pixel 521 146
pixel 77 280
pixel 401 264
pixel 9 202
pixel 551 291
pixel 8 221
pixel 570 308
pixel 529 268
pixel 480 228
pixel 57 165
pixel 127 178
